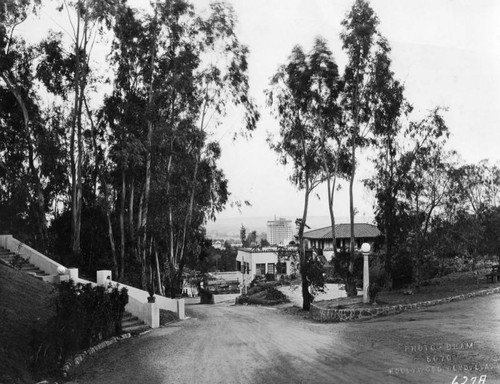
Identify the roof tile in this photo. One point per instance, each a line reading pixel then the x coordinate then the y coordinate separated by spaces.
pixel 343 231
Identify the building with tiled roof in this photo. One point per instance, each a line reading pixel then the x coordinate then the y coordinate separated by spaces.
pixel 321 239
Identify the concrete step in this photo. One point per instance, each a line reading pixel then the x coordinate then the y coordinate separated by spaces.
pixel 131 324
pixel 32 270
pixel 10 257
pixel 28 267
pixel 36 273
pixel 6 252
pixel 47 278
pixel 136 329
pixel 130 321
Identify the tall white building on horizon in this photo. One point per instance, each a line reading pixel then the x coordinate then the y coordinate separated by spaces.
pixel 279 231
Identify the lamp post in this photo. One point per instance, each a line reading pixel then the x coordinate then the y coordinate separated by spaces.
pixel 365 248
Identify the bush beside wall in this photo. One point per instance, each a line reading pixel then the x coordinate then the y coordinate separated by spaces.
pixel 85 315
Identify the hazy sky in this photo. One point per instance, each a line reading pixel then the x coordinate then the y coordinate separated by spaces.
pixel 447 53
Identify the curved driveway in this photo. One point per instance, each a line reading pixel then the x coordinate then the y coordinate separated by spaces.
pixel 224 343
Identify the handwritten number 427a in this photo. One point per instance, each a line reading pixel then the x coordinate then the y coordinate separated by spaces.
pixel 469 380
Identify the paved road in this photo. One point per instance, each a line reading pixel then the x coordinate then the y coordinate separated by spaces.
pixel 244 344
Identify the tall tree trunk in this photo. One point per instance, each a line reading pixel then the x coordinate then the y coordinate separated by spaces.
pixel 331 189
pixel 112 243
pixel 143 264
pixel 101 172
pixel 122 221
pixel 390 214
pixel 138 249
pixel 350 284
pixel 78 214
pixel 158 274
pixel 170 255
pixel 75 233
pixel 179 257
pixel 141 244
pixel 80 84
pixel 130 223
pixel 306 295
pixel 187 221
pixel 131 206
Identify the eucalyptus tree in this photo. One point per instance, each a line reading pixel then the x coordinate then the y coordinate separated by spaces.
pixel 220 80
pixel 425 176
pixel 471 203
pixel 32 155
pixel 17 77
pixel 326 112
pixel 184 69
pixel 289 97
pixel 388 133
pixel 364 93
pixel 87 18
pixel 477 185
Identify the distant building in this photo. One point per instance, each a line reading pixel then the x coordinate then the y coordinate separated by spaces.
pixel 218 244
pixel 279 232
pixel 321 239
pixel 254 262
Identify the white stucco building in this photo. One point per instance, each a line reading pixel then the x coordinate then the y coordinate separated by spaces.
pixel 261 261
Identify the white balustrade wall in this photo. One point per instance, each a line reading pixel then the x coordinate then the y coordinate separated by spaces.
pixel 138 299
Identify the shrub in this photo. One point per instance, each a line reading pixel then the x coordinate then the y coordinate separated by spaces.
pixel 274 294
pixel 284 282
pixel 253 290
pixel 272 284
pixel 241 300
pixel 334 280
pixel 206 297
pixel 257 279
pixel 373 291
pixel 84 316
pixel 18 262
pixel 341 268
pixel 270 277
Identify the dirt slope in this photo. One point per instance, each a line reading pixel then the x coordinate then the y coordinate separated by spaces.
pixel 24 305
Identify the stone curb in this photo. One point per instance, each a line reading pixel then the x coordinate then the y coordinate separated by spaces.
pixel 76 360
pixel 333 315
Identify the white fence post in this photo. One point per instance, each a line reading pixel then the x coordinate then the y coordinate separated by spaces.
pixel 103 277
pixel 151 314
pixel 180 309
pixel 73 274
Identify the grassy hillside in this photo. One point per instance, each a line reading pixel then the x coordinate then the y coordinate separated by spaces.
pixel 24 305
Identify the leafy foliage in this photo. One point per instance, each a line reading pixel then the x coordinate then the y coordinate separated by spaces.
pixel 85 315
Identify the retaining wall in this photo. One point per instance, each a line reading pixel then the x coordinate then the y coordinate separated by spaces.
pixel 138 299
pixel 233 275
pixel 226 297
pixel 349 314
pixel 147 312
